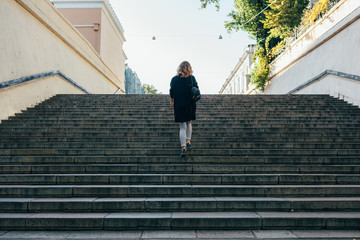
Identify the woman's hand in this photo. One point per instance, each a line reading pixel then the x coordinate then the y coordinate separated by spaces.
pixel 172 102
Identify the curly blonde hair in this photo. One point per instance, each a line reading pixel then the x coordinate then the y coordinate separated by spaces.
pixel 184 70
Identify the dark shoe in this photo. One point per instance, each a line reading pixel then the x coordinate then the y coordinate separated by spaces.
pixel 183 153
pixel 188 146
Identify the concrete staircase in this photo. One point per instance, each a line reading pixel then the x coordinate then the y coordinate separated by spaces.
pixel 112 162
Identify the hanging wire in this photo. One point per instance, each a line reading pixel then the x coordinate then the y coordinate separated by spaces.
pixel 220 37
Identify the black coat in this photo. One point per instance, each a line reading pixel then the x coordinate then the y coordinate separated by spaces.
pixel 184 107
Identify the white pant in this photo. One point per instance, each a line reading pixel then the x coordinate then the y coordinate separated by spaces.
pixel 185 132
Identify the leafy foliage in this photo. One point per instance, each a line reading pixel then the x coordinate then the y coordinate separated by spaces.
pixel 282 17
pixel 204 3
pixel 317 10
pixel 269 22
pixel 149 89
pixel 261 69
pixel 246 18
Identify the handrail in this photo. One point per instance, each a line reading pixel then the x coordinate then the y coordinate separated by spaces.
pixel 323 74
pixel 42 75
pixel 117 91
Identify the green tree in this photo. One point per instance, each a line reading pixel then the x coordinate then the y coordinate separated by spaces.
pixel 246 17
pixel 281 18
pixel 204 3
pixel 149 89
pixel 269 22
pixel 249 16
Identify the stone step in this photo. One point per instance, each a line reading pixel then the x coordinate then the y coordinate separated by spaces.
pixel 165 106
pixel 180 220
pixel 161 110
pixel 180 204
pixel 173 152
pixel 259 162
pixel 166 110
pixel 63 104
pixel 167 168
pixel 148 190
pixel 175 127
pixel 251 133
pixel 205 114
pixel 175 144
pixel 169 118
pixel 208 97
pixel 140 121
pixel 198 124
pixel 170 140
pixel 179 179
pixel 224 160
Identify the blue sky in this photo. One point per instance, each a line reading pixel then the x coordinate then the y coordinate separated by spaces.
pixel 183 31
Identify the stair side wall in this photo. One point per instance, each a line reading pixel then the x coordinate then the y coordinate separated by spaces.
pixel 36 38
pixel 332 44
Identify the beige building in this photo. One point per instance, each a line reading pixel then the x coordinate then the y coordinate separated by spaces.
pixel 98 23
pixel 42 54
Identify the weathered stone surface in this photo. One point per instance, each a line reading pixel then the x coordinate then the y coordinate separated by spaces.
pixel 305 220
pixel 119 204
pixel 66 221
pixel 169 234
pixel 35 235
pixel 14 204
pixel 279 162
pixel 181 204
pixel 273 234
pixel 105 235
pixel 46 191
pixel 343 220
pixel 13 221
pixel 326 233
pixel 101 190
pixel 321 204
pixel 61 205
pixel 27 178
pixel 215 220
pixel 159 190
pixel 233 234
pixel 121 221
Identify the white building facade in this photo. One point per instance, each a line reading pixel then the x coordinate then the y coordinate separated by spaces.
pixel 239 80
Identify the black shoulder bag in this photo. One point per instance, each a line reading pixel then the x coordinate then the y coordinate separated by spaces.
pixel 195 92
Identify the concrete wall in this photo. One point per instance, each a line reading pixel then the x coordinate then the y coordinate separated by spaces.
pixel 342 88
pixel 111 47
pixel 13 99
pixel 36 38
pixel 334 44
